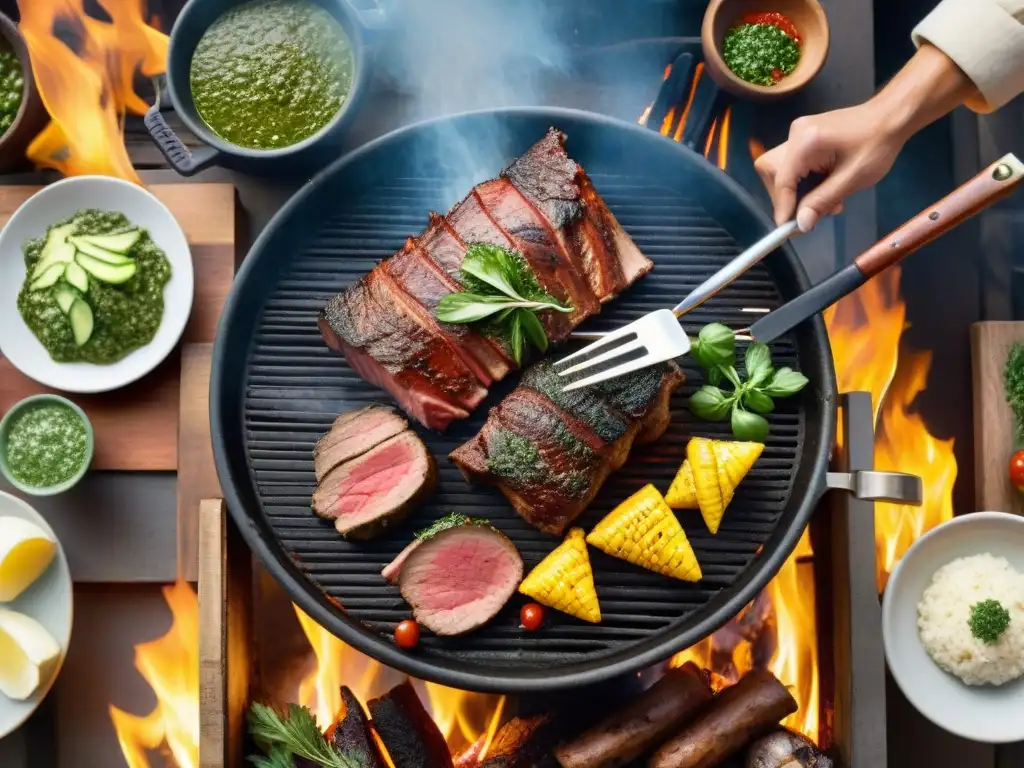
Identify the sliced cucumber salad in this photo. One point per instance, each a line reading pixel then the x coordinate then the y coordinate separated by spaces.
pixel 68 262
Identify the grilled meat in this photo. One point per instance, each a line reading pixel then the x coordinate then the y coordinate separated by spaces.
pixel 354 433
pixel 550 451
pixel 543 205
pixel 377 489
pixel 459 579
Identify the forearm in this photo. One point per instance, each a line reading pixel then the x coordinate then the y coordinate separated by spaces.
pixel 930 86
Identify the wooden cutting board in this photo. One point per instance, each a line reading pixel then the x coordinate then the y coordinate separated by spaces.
pixel 993 419
pixel 137 427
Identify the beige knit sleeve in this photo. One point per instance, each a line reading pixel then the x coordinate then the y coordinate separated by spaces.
pixel 986 40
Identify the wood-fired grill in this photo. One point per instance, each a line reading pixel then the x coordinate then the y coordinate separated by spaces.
pixel 276 388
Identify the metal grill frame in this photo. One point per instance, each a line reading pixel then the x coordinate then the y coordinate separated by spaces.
pixel 229 382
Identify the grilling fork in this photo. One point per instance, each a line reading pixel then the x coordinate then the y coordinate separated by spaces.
pixel 658 336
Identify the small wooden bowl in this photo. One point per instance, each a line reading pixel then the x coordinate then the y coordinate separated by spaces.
pixel 808 18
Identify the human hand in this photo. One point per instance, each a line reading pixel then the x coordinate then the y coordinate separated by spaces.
pixel 852 148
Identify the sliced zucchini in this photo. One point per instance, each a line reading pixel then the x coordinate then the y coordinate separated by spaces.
pixel 65 296
pixel 80 316
pixel 115 274
pixel 61 253
pixel 122 242
pixel 56 237
pixel 77 277
pixel 50 276
pixel 96 252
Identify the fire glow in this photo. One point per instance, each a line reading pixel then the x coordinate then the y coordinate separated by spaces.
pixel 89 89
pixel 865 330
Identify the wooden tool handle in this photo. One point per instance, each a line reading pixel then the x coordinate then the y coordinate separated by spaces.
pixel 993 183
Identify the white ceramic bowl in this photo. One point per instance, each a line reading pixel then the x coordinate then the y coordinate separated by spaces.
pixel 61 201
pixel 993 714
pixel 49 601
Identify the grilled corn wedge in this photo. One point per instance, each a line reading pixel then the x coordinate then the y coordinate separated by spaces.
pixel 564 580
pixel 642 530
pixel 708 478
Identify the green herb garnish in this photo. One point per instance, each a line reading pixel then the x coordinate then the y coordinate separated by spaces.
pixel 295 734
pixel 451 520
pixel 715 351
pixel 1013 381
pixel 988 620
pixel 761 54
pixel 501 291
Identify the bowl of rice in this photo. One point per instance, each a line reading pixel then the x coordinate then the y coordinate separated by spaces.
pixel 953 626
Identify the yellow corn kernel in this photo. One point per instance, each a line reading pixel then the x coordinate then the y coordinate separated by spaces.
pixel 682 494
pixel 717 467
pixel 564 580
pixel 643 531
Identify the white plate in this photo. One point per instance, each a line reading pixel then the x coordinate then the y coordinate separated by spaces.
pixel 48 601
pixel 58 202
pixel 993 714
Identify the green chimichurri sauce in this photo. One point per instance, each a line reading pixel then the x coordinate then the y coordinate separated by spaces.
pixel 761 54
pixel 271 73
pixel 125 316
pixel 46 445
pixel 12 85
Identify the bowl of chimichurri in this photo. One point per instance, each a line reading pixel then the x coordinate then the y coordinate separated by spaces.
pixel 96 284
pixel 764 49
pixel 22 114
pixel 268 85
pixel 46 444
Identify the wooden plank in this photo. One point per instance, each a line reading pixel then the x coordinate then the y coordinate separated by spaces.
pixel 993 419
pixel 225 657
pixel 197 475
pixel 136 427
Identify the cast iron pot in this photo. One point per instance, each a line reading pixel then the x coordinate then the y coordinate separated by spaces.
pixel 195 18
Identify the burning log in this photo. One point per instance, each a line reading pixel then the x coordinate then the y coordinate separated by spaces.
pixel 523 742
pixel 407 730
pixel 642 725
pixel 733 718
pixel 352 733
pixel 786 749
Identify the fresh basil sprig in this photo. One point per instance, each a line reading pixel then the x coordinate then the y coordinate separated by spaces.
pixel 715 351
pixel 501 291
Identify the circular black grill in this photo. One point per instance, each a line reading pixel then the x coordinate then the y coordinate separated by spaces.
pixel 277 388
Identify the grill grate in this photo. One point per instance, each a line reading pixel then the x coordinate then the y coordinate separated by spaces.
pixel 295 387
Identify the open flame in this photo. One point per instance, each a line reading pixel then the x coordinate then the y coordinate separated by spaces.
pixel 465 718
pixel 89 85
pixel 170 664
pixel 865 330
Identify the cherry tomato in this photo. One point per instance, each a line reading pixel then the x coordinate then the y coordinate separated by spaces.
pixel 531 616
pixel 407 634
pixel 1017 470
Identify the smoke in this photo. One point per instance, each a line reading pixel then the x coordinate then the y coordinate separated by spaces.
pixel 451 56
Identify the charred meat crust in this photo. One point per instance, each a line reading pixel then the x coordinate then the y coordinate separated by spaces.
pixel 544 205
pixel 550 452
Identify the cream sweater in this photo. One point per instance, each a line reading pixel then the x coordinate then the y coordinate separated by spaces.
pixel 986 40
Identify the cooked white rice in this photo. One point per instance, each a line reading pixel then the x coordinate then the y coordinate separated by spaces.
pixel 944 613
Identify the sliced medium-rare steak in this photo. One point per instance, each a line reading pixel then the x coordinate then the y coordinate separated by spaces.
pixel 389 346
pixel 542 205
pixel 460 578
pixel 354 433
pixel 378 489
pixel 550 451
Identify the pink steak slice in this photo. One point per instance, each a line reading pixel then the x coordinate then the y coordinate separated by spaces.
pixel 378 489
pixel 353 434
pixel 459 579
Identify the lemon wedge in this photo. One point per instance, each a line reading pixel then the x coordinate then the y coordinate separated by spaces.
pixel 28 655
pixel 26 550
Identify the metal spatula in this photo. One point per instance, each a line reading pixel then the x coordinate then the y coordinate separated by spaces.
pixel 658 336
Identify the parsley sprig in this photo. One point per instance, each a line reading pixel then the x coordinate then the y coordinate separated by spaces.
pixel 989 619
pixel 503 293
pixel 715 351
pixel 296 734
